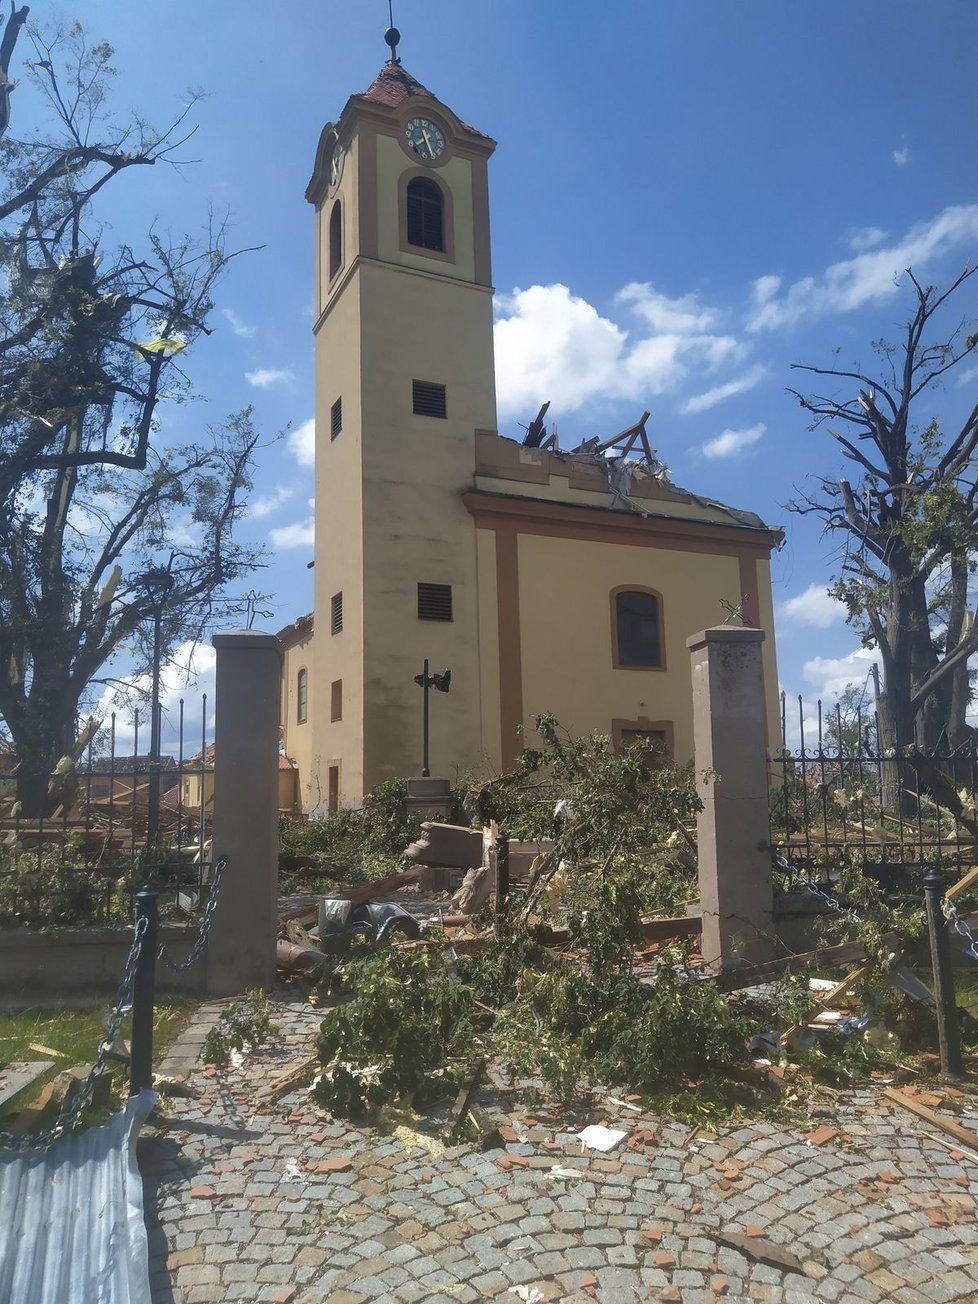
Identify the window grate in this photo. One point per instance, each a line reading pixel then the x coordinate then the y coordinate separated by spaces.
pixel 336 613
pixel 429 399
pixel 434 602
pixel 336 418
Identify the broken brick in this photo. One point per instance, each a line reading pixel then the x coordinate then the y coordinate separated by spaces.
pixel 821 1135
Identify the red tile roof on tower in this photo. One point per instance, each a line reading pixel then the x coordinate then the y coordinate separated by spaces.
pixel 394 84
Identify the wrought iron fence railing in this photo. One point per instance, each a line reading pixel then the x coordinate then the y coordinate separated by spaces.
pixel 77 856
pixel 834 791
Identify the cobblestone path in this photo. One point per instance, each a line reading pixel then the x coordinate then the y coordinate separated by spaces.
pixel 274 1203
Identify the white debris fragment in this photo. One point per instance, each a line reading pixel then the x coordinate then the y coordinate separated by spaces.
pixel 599 1137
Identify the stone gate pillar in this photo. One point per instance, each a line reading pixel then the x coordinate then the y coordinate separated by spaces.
pixel 733 828
pixel 241 949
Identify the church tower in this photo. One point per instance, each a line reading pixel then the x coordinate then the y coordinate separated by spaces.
pixel 404 384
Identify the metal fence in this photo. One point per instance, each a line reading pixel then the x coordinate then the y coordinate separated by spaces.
pixel 80 859
pixel 831 794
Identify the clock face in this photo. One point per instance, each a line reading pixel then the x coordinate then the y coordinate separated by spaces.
pixel 425 139
pixel 335 165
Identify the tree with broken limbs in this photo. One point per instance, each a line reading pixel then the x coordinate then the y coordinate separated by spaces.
pixel 908 527
pixel 93 496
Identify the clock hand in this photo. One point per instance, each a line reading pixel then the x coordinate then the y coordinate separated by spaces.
pixel 431 152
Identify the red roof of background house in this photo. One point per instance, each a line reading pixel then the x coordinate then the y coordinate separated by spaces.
pixel 284 762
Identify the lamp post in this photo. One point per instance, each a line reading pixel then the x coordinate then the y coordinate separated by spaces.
pixel 442 681
pixel 158 584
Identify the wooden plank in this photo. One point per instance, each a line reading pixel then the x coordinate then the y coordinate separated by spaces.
pixel 962 885
pixel 381 887
pixel 661 930
pixel 463 1101
pixel 828 957
pixel 762 1251
pixel 948 1125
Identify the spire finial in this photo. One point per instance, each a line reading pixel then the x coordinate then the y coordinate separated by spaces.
pixel 392 35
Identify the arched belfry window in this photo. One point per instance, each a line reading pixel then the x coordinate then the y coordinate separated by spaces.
pixel 636 629
pixel 335 239
pixel 425 214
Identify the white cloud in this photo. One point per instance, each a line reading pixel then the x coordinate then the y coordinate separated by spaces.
pixel 302 443
pixel 868 278
pixel 261 507
pixel 967 376
pixel 187 677
pixel 813 607
pixel 301 534
pixel 237 325
pixel 901 157
pixel 720 393
pixel 829 676
pixel 731 443
pixel 553 344
pixel 266 377
pixel 862 238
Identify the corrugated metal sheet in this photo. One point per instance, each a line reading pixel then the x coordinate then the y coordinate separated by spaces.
pixel 71 1218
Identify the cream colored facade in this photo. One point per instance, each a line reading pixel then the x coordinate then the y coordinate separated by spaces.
pixel 530 545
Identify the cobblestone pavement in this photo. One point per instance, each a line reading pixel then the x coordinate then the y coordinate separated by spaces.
pixel 275 1202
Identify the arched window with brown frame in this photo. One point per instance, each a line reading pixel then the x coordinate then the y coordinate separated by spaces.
pixel 335 239
pixel 425 214
pixel 302 696
pixel 636 629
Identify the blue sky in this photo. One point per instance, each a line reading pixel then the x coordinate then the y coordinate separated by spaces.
pixel 687 197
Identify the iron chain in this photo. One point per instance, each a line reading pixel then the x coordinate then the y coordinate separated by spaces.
pixel 67 1120
pixel 831 901
pixel 952 916
pixel 181 966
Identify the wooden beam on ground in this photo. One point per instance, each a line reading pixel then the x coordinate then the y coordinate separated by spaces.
pixel 828 957
pixel 762 1251
pixel 463 1101
pixel 948 1125
pixel 380 887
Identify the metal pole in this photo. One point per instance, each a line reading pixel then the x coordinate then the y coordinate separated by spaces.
pixel 141 1045
pixel 502 878
pixel 426 685
pixel 153 813
pixel 948 1032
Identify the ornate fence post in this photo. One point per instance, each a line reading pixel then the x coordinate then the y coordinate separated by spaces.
pixel 241 949
pixel 733 828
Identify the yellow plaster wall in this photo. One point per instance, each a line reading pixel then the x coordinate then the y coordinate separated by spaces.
pixel 565 623
pixel 456 175
pixel 485 542
pixel 338 549
pixel 296 737
pixel 415 525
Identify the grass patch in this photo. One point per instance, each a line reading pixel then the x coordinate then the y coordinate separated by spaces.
pixel 75 1035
